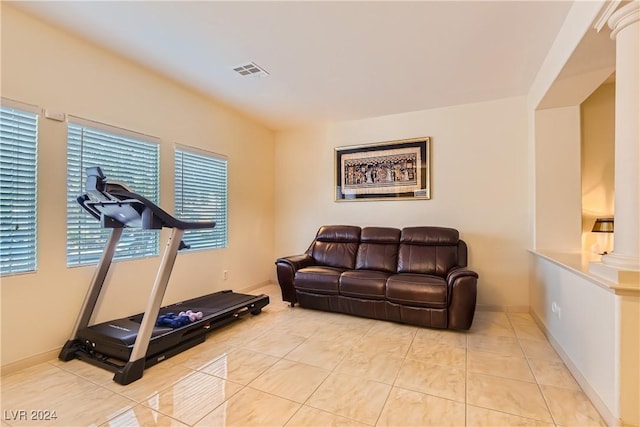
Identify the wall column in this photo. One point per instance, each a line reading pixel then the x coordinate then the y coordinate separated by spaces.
pixel 625 26
pixel 622 265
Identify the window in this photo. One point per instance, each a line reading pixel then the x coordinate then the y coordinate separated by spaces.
pixel 201 195
pixel 18 184
pixel 123 156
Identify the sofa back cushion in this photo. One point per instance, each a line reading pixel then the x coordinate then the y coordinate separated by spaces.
pixel 428 250
pixel 378 249
pixel 336 246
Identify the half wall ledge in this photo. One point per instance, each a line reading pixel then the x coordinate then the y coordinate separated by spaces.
pixel 584 264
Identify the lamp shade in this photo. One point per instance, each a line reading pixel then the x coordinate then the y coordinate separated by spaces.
pixel 603 225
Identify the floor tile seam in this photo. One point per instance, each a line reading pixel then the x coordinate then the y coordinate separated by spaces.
pixel 538 386
pixel 248 386
pixel 117 412
pixel 292 415
pixel 533 371
pixel 328 412
pixel 384 405
pixel 466 384
pixel 501 377
pixel 333 413
pixel 283 358
pixel 535 379
pixel 521 327
pixel 448 344
pixel 574 391
pixel 211 362
pixel 548 405
pixel 273 355
pixel 324 343
pixel 429 363
pixel 520 341
pixel 511 379
pixel 555 385
pixel 466 375
pixel 395 378
pixel 221 378
pixel 318 387
pixel 497 353
pixel 430 395
pixel 335 366
pixel 213 409
pixel 95 383
pixel 404 359
pixel 509 413
pixel 463 401
pixel 171 384
pixel 528 359
pixel 106 423
pixel 113 393
pixel 122 411
pixel 3 378
pixel 359 377
pixel 226 354
pixel 439 364
pixel 483 334
pixel 329 372
pixel 516 414
pixel 494 353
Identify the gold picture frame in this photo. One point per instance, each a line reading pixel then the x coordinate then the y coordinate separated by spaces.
pixel 391 170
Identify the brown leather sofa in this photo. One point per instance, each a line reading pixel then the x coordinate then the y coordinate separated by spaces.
pixel 416 275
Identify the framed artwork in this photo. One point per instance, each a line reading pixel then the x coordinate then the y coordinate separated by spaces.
pixel 389 170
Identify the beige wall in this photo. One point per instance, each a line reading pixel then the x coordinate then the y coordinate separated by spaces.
pixel 597 148
pixel 479 186
pixel 557 171
pixel 52 69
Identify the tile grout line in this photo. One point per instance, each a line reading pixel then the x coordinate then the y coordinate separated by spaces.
pixel 544 398
pixel 134 403
pixel 332 371
pixel 466 378
pixel 302 404
pixel 515 322
pixel 395 379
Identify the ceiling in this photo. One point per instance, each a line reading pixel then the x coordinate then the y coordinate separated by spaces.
pixel 327 60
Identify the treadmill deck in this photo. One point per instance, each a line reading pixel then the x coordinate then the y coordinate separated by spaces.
pixel 116 338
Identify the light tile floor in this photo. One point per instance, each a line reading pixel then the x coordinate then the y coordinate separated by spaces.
pixel 298 367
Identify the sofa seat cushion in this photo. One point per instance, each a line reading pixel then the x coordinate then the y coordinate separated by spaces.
pixel 318 279
pixel 418 290
pixel 369 284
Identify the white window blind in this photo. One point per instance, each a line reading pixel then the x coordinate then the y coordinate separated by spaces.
pixel 128 159
pixel 18 185
pixel 201 195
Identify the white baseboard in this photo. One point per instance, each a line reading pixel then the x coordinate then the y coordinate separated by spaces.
pixel 256 286
pixel 601 407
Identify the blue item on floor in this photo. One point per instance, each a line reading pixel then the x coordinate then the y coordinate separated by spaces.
pixel 173 320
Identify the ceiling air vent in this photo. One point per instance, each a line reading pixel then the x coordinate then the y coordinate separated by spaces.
pixel 250 70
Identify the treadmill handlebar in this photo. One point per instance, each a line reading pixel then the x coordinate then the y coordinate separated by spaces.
pixel 112 202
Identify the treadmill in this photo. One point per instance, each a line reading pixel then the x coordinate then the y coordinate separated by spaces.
pixel 129 345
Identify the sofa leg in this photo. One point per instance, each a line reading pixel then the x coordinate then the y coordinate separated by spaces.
pixel 293 304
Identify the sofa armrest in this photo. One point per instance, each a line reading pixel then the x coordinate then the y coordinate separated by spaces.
pixel 463 285
pixel 297 261
pixel 459 272
pixel 286 268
